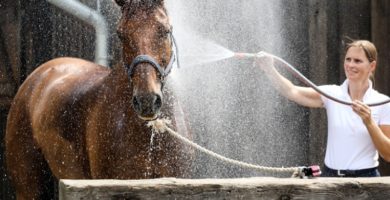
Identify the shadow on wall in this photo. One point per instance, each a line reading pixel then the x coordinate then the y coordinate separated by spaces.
pixel 6 191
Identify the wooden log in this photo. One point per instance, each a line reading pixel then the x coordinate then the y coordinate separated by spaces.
pixel 242 188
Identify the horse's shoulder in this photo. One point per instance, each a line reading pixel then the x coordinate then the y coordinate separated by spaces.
pixel 71 72
pixel 76 66
pixel 61 82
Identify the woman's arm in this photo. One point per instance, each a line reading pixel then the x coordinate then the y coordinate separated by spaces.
pixel 386 144
pixel 304 96
pixel 380 135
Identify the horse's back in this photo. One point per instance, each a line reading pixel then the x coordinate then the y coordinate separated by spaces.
pixel 56 84
pixel 65 75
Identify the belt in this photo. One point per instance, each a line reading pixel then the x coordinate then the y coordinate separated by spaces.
pixel 350 173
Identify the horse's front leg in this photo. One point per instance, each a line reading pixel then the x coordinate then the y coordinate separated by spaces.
pixel 123 163
pixel 119 155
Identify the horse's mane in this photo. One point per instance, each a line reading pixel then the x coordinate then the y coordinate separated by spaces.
pixel 134 5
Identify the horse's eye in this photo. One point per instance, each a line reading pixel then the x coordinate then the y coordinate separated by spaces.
pixel 163 31
pixel 120 34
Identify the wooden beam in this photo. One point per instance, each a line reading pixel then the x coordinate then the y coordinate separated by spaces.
pixel 243 188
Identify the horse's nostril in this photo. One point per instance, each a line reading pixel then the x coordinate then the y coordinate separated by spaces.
pixel 157 102
pixel 147 104
pixel 136 103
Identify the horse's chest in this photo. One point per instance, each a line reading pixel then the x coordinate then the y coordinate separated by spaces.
pixel 143 155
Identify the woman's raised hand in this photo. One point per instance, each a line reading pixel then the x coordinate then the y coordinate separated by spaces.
pixel 264 60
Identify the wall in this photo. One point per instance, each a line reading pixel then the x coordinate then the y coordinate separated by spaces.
pixel 380 31
pixel 9 75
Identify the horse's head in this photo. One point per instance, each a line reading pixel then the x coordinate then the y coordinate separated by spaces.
pixel 147 49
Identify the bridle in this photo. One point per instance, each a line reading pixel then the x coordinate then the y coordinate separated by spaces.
pixel 163 72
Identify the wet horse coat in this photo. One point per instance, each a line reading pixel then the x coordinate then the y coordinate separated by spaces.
pixel 79 120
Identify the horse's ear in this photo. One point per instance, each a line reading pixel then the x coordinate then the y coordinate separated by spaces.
pixel 121 2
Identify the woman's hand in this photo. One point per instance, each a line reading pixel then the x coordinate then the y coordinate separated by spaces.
pixel 380 135
pixel 362 110
pixel 264 60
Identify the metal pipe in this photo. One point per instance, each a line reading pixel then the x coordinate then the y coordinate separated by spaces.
pixel 302 78
pixel 93 18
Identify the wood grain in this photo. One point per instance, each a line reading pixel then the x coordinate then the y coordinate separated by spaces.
pixel 245 188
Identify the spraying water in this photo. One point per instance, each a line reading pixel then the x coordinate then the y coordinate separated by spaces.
pixel 150 154
pixel 232 109
pixel 203 52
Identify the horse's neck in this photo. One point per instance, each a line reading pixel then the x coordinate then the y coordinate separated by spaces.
pixel 114 99
pixel 115 90
pixel 117 81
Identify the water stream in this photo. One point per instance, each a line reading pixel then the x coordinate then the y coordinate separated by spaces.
pixel 232 108
pixel 202 52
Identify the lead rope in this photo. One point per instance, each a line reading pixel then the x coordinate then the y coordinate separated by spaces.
pixel 161 126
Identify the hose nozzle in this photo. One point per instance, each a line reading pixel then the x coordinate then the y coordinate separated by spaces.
pixel 241 55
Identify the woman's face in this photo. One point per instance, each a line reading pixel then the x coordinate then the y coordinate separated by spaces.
pixel 356 65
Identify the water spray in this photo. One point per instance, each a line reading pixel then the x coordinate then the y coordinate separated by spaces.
pixel 300 76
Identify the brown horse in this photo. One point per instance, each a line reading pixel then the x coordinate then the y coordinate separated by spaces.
pixel 77 120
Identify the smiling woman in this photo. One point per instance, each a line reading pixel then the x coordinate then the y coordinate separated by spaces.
pixel 357 133
pixel 360 60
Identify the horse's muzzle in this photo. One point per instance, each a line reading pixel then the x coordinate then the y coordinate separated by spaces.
pixel 147 106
